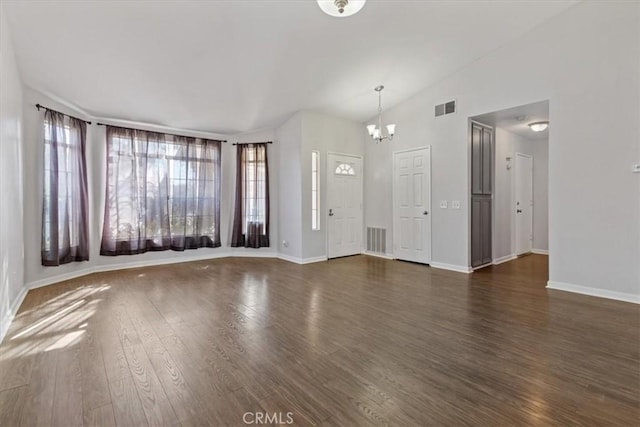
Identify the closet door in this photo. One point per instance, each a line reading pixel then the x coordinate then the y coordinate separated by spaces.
pixel 487 156
pixel 476 159
pixel 481 253
pixel 481 194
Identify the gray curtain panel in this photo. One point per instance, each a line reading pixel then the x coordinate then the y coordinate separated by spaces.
pixel 251 215
pixel 65 236
pixel 163 192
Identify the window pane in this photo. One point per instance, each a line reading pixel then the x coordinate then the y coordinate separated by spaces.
pixel 315 190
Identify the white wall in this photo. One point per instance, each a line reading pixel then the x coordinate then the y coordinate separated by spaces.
pixel 503 195
pixel 12 288
pixel 289 140
pixel 325 134
pixel 303 133
pixel 540 153
pixel 36 274
pixel 585 59
pixel 507 144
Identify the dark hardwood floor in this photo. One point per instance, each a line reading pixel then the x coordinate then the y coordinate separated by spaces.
pixel 354 341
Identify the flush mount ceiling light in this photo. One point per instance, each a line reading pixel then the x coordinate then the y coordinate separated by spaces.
pixel 539 126
pixel 341 8
pixel 376 131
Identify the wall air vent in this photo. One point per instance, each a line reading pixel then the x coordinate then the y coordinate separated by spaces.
pixel 377 240
pixel 445 108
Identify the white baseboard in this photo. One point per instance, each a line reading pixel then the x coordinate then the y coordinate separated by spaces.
pixel 540 251
pixel 313 259
pixel 594 292
pixel 13 309
pixel 505 258
pixel 124 266
pixel 290 258
pixel 451 267
pixel 379 255
pixel 249 254
pixel 61 277
pixel 296 260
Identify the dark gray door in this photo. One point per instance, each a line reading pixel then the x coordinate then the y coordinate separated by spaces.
pixel 480 231
pixel 481 193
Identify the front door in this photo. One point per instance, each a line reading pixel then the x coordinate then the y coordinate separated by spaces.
pixel 344 205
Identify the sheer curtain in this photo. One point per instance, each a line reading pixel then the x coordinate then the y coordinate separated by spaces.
pixel 251 216
pixel 65 236
pixel 163 192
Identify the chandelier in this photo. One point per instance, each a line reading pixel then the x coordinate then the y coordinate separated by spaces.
pixel 341 8
pixel 375 131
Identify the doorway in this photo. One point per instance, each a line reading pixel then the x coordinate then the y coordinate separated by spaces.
pixel 412 205
pixel 524 203
pixel 519 209
pixel 344 203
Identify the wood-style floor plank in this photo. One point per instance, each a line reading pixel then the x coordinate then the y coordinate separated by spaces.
pixel 152 396
pixel 38 405
pixel 100 417
pixel 94 380
pixel 12 402
pixel 126 406
pixel 352 341
pixel 67 403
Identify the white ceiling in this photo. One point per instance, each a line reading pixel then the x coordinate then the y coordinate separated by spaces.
pixel 517 119
pixel 234 66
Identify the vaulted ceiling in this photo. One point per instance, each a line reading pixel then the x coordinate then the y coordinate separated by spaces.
pixel 235 66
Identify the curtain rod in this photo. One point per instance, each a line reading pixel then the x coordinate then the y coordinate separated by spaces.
pixel 246 143
pixel 166 133
pixel 39 106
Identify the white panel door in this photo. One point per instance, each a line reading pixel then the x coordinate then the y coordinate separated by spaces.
pixel 524 203
pixel 344 204
pixel 412 205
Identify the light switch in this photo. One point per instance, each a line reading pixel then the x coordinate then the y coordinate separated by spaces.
pixel 455 204
pixel 443 204
pixel 635 168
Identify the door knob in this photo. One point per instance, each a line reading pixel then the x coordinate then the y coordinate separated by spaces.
pixel 330 212
pixel 519 211
pixel 425 213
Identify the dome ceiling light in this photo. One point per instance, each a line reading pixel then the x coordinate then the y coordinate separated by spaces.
pixel 539 126
pixel 341 8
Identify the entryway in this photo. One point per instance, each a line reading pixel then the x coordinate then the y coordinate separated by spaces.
pixel 509 184
pixel 344 203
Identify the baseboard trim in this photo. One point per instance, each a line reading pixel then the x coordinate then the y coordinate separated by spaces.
pixel 540 251
pixel 379 255
pixel 257 254
pixel 290 258
pixel 594 292
pixel 125 266
pixel 505 258
pixel 13 310
pixel 314 259
pixel 450 267
pixel 146 263
pixel 51 280
pixel 302 261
